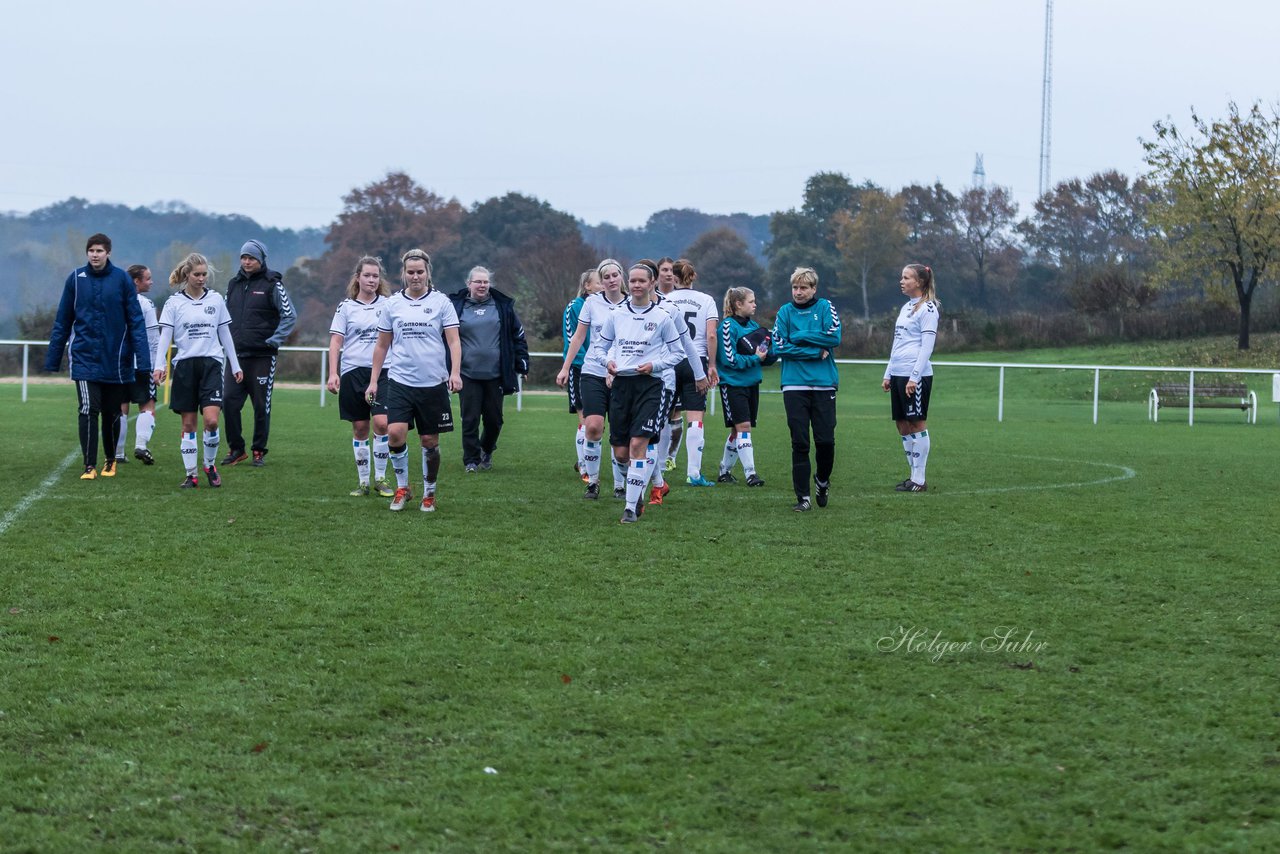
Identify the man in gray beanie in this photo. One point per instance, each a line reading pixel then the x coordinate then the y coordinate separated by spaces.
pixel 261 319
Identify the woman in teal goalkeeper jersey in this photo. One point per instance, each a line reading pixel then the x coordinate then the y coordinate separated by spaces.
pixel 742 347
pixel 805 334
pixel 588 284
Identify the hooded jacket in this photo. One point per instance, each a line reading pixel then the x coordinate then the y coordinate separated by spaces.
pixel 99 316
pixel 262 315
pixel 513 356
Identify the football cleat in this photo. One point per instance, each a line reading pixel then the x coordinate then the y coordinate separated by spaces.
pixel 211 472
pixel 911 486
pixel 726 477
pixel 486 460
pixel 121 461
pixel 656 494
pixel 670 464
pixel 429 504
pixel 383 489
pixel 360 491
pixel 821 495
pixel 628 517
pixel 190 483
pixel 259 459
pixel 401 496
pixel 472 468
pixel 90 472
pixel 593 491
pixel 802 506
pixel 144 455
pixel 700 481
pixel 754 480
pixel 109 468
pixel 234 457
pixel 620 493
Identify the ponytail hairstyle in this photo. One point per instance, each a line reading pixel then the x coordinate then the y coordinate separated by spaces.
pixel 136 271
pixel 353 286
pixel 684 272
pixel 178 278
pixel 735 297
pixel 584 280
pixel 417 254
pixel 928 292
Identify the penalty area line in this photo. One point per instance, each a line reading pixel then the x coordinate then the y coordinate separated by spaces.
pixel 36 494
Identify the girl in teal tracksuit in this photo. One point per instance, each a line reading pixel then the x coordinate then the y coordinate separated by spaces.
pixel 743 347
pixel 804 335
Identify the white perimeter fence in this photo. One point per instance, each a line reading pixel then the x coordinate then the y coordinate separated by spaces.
pixel 1189 372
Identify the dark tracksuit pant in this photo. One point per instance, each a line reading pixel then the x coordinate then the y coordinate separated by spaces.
pixel 259 378
pixel 481 401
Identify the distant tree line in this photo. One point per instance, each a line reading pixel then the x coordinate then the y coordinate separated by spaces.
pixel 1187 244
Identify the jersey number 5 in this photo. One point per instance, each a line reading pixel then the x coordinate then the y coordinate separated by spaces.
pixel 693 330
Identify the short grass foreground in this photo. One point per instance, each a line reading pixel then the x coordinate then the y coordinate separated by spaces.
pixel 1067 643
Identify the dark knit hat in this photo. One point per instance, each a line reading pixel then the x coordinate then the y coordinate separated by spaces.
pixel 255 249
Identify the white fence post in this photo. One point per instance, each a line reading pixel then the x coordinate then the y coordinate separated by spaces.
pixel 1097 372
pixel 1000 397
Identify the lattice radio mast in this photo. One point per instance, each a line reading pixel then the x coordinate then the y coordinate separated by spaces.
pixel 979 174
pixel 1046 99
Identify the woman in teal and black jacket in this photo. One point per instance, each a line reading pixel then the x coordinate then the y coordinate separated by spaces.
pixel 804 336
pixel 743 347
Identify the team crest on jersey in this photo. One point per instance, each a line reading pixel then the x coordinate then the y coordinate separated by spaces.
pixel 650 326
pixel 208 309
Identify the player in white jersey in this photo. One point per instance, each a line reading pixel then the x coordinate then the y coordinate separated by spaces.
pixel 417 326
pixel 637 342
pixel 195 320
pixel 690 364
pixel 909 375
pixel 353 335
pixel 143 391
pixel 595 377
pixel 700 314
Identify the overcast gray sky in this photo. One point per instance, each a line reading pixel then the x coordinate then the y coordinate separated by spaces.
pixel 609 111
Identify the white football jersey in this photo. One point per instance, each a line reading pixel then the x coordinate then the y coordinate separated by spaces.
pixel 195 324
pixel 595 310
pixel 632 336
pixel 418 353
pixel 694 309
pixel 357 323
pixel 152 326
pixel 911 333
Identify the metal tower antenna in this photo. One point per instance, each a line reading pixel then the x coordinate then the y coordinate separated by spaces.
pixel 979 174
pixel 1046 98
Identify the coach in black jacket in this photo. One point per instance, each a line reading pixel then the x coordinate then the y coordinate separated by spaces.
pixel 494 351
pixel 261 319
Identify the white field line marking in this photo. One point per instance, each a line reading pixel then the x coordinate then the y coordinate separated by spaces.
pixel 36 494
pixel 1125 473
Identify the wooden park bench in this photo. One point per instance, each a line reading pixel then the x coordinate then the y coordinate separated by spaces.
pixel 1216 396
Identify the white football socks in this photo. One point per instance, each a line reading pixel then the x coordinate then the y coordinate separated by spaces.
pixel 636 479
pixel 380 454
pixel 591 460
pixel 730 457
pixel 360 447
pixel 580 445
pixel 693 449
pixel 400 464
pixel 921 456
pixel 145 426
pixel 189 446
pixel 210 447
pixel 746 453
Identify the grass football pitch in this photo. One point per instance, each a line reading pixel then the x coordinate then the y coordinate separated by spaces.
pixel 1066 644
